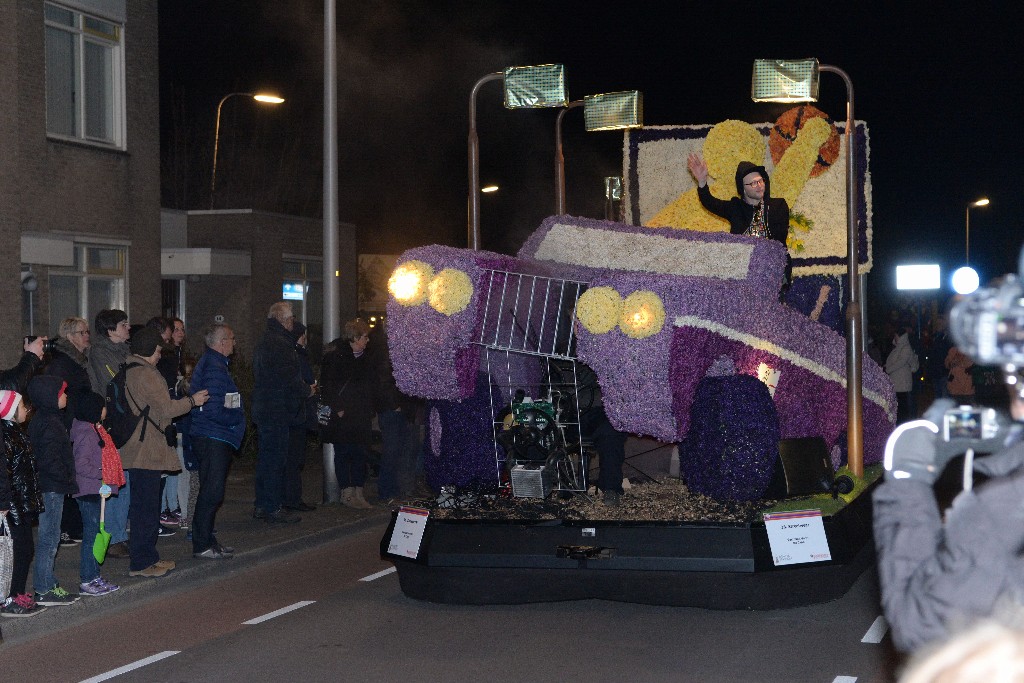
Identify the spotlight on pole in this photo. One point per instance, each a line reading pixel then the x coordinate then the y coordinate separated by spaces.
pixel 965 280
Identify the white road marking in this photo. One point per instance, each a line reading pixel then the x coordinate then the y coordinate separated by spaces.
pixel 879 627
pixel 373 577
pixel 844 679
pixel 131 667
pixel 278 612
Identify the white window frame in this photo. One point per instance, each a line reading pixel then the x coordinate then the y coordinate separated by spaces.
pixel 83 272
pixel 82 36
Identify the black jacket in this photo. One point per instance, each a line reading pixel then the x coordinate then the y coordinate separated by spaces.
pixel 19 483
pixel 279 394
pixel 16 379
pixel 72 366
pixel 739 213
pixel 349 384
pixel 51 444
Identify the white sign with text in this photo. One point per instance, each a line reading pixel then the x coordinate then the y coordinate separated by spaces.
pixel 408 533
pixel 796 537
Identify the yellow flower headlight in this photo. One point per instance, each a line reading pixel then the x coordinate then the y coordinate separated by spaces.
pixel 450 291
pixel 598 309
pixel 408 283
pixel 642 315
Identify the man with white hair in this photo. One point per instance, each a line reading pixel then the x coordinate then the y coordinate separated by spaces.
pixel 278 403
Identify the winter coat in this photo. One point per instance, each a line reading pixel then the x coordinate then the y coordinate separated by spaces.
pixel 19 482
pixel 279 394
pixel 901 364
pixel 935 576
pixel 16 379
pixel 55 458
pixel 147 448
pixel 105 357
pixel 212 419
pixel 87 443
pixel 72 366
pixel 960 382
pixel 349 384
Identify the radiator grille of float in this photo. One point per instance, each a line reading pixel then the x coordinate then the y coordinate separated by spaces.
pixel 532 481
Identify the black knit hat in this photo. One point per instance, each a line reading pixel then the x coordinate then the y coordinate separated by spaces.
pixel 88 406
pixel 145 342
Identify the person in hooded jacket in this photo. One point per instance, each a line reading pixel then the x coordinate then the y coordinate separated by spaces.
pixel 16 378
pixel 56 463
pixel 900 365
pixel 754 212
pixel 20 501
pixel 350 388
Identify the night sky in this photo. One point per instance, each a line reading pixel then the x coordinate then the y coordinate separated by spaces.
pixel 939 90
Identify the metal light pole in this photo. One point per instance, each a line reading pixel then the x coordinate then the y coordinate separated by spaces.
pixel 560 159
pixel 473 238
pixel 967 236
pixel 264 98
pixel 332 287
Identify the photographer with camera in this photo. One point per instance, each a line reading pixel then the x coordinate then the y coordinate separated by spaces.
pixel 16 378
pixel 941 571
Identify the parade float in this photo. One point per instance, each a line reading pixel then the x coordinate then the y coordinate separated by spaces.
pixel 677 328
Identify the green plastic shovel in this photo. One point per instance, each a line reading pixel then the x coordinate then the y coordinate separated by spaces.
pixel 102 542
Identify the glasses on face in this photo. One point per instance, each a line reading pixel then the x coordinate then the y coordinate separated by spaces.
pixel 81 332
pixel 755 183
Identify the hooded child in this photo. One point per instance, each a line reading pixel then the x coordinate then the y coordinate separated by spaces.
pixel 56 464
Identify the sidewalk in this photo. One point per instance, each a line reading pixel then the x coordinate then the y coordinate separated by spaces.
pixel 253 540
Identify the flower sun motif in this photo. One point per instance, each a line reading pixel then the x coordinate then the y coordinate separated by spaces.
pixel 408 283
pixel 643 315
pixel 450 291
pixel 598 309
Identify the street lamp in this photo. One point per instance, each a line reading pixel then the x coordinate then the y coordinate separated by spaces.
pixel 967 239
pixel 526 87
pixel 609 111
pixel 776 80
pixel 264 98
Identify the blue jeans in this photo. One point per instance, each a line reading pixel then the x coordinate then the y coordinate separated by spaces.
pixel 350 464
pixel 270 466
pixel 43 579
pixel 214 460
pixel 145 518
pixel 169 498
pixel 117 512
pixel 88 568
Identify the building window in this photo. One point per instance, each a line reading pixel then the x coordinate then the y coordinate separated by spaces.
pixel 84 77
pixel 96 281
pixel 303 285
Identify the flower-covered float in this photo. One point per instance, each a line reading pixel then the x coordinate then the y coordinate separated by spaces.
pixel 660 314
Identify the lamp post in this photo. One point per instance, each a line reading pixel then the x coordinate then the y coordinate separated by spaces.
pixel 609 111
pixel 797 81
pixel 526 87
pixel 967 235
pixel 259 97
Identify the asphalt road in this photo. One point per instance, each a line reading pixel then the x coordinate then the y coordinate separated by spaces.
pixel 335 612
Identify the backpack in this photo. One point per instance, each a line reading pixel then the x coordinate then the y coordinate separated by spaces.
pixel 121 422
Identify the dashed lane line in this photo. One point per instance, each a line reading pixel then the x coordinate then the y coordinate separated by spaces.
pixel 879 627
pixel 131 667
pixel 373 577
pixel 278 612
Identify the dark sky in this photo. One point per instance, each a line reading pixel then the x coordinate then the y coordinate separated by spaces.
pixel 939 90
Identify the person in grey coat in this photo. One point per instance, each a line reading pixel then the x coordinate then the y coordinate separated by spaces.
pixel 939 572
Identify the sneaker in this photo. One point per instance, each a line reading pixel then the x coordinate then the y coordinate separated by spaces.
pixel 94 588
pixel 168 564
pixel 282 517
pixel 119 551
pixel 112 586
pixel 166 531
pixel 170 519
pixel 226 549
pixel 66 539
pixel 55 597
pixel 213 553
pixel 153 571
pixel 20 606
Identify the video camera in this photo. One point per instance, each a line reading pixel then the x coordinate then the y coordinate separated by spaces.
pixel 48 344
pixel 988 326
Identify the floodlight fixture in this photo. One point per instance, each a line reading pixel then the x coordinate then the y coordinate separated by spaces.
pixel 526 87
pixel 796 80
pixel 608 111
pixel 965 280
pixel 918 276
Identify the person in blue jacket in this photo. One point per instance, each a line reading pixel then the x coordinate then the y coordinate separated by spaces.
pixel 217 430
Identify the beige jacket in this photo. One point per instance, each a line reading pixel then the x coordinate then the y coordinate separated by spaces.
pixel 146 386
